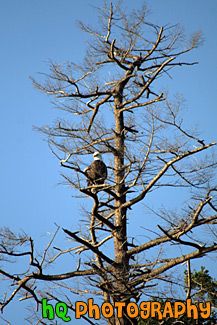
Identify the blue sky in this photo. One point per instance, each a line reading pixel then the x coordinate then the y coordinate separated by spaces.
pixel 32 32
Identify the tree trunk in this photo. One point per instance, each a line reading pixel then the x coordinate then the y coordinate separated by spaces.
pixel 120 238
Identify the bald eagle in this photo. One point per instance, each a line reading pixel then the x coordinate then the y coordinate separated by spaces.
pixel 97 171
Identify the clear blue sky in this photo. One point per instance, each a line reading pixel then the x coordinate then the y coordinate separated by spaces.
pixel 32 32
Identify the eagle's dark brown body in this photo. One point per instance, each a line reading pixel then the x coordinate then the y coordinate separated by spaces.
pixel 97 173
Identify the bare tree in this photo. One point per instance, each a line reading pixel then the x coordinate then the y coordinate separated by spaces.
pixel 116 107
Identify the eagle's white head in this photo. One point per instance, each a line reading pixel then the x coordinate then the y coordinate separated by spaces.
pixel 97 156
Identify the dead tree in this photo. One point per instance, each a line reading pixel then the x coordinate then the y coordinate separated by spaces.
pixel 116 107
